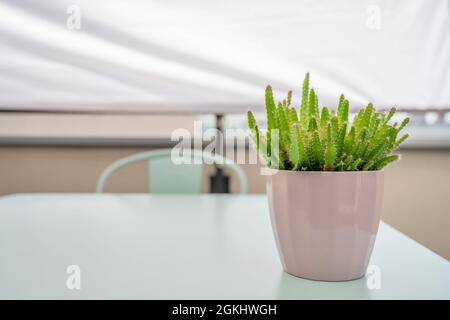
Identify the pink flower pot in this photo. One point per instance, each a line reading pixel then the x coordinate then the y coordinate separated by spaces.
pixel 325 223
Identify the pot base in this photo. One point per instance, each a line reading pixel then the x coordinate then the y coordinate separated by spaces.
pixel 322 279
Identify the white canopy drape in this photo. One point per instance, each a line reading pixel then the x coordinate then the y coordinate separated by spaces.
pixel 217 56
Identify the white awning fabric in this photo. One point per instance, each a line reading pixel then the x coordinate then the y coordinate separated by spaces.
pixel 217 56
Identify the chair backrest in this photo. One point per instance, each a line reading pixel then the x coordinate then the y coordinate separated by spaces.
pixel 167 177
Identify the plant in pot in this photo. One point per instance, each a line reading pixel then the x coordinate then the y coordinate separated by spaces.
pixel 325 182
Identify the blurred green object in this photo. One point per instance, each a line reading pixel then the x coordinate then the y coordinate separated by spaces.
pixel 166 177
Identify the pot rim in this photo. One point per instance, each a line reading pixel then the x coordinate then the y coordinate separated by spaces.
pixel 326 172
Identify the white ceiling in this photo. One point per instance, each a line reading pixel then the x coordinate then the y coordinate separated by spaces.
pixel 201 56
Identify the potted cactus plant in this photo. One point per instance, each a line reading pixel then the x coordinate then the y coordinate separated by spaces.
pixel 325 186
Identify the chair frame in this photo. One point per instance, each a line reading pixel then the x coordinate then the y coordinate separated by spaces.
pixel 167 153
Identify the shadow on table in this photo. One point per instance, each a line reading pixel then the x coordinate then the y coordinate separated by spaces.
pixel 290 287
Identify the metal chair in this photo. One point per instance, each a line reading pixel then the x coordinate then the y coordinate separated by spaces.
pixel 167 177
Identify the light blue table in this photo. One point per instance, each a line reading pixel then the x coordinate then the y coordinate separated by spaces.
pixel 180 247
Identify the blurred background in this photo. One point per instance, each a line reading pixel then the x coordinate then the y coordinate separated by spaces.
pixel 85 83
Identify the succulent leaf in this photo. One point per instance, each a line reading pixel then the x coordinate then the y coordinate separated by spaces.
pixel 319 139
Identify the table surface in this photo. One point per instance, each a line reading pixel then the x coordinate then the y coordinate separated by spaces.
pixel 181 247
